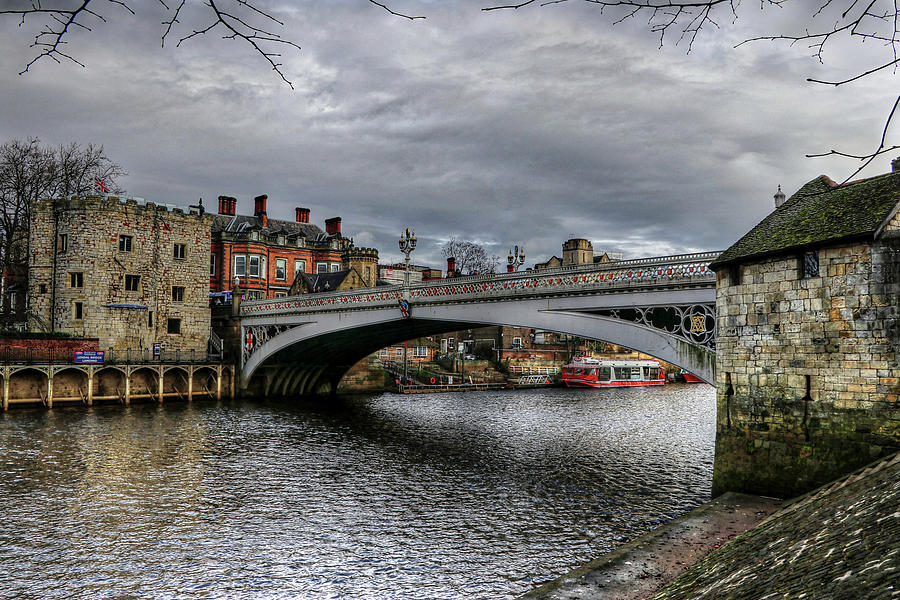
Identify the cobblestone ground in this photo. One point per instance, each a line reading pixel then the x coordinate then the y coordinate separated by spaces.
pixel 840 542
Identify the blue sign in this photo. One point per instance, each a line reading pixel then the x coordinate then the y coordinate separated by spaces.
pixel 156 348
pixel 89 357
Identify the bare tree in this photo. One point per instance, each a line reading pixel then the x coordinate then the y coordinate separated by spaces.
pixel 241 20
pixel 30 171
pixel 470 258
pixel 870 21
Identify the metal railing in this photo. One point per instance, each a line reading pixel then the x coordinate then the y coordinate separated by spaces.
pixel 628 275
pixel 11 355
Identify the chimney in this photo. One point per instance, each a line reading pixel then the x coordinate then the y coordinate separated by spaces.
pixel 451 266
pixel 333 226
pixel 259 209
pixel 779 197
pixel 895 165
pixel 227 205
pixel 302 215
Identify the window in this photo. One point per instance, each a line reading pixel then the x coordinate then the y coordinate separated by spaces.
pixel 212 265
pixel 178 253
pixel 62 244
pixel 622 373
pixel 76 280
pixel 149 318
pixel 809 265
pixel 43 288
pixel 299 267
pixel 177 293
pixel 240 265
pixel 124 243
pixel 321 267
pixel 734 275
pixel 281 269
pixel 517 342
pixel 262 269
pixel 335 267
pixel 253 270
pixel 421 351
pixel 301 242
pixel 603 374
pixel 281 294
pixel 173 326
pixel 132 283
pixel 78 311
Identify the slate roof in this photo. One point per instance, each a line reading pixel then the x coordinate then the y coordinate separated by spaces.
pixel 325 282
pixel 820 213
pixel 240 223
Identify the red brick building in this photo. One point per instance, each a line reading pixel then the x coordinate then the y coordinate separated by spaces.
pixel 266 254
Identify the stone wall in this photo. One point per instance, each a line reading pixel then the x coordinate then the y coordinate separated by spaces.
pixel 139 317
pixel 807 369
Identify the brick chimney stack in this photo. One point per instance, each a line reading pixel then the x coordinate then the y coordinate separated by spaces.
pixel 302 215
pixel 333 226
pixel 227 205
pixel 259 209
pixel 451 266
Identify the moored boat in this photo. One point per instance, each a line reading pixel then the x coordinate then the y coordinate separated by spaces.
pixel 590 372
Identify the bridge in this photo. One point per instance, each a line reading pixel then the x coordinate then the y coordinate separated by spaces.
pixel 663 306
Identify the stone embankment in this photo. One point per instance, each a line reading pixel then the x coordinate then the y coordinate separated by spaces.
pixel 841 541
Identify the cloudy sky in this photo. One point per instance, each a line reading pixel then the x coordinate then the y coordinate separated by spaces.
pixel 506 127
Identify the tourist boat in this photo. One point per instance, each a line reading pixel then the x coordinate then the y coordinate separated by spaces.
pixel 590 372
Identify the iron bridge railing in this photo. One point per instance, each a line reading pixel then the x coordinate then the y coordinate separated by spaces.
pixel 627 275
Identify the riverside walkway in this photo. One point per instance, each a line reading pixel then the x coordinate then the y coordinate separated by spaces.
pixel 840 542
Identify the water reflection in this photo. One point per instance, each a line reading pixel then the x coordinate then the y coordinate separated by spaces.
pixel 437 496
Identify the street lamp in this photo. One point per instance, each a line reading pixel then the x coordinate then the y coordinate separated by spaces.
pixel 407 245
pixel 515 259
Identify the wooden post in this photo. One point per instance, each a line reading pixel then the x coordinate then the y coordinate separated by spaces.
pixel 219 382
pixel 191 383
pixel 5 389
pixel 161 378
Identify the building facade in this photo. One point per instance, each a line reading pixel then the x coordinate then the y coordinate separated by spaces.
pixel 265 255
pixel 128 272
pixel 808 340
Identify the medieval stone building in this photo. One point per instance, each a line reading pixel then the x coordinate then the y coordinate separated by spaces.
pixel 809 339
pixel 129 272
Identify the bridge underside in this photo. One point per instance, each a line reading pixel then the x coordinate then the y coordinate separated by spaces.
pixel 309 354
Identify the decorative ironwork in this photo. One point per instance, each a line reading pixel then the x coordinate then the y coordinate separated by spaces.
pixel 695 323
pixel 256 336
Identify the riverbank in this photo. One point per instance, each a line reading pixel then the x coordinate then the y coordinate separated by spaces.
pixel 644 565
pixel 840 541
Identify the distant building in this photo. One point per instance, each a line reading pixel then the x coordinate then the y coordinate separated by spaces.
pixel 808 341
pixel 358 269
pixel 396 273
pixel 129 272
pixel 265 254
pixel 577 251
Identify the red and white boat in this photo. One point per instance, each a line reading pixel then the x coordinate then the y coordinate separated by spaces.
pixel 590 372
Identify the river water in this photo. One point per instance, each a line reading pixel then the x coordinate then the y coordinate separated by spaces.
pixel 467 495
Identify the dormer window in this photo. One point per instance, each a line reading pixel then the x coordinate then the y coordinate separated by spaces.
pixel 280 240
pixel 254 235
pixel 301 242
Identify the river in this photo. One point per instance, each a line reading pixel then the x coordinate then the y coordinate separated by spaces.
pixel 461 495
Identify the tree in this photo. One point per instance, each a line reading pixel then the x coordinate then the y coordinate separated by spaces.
pixel 30 171
pixel 470 257
pixel 242 20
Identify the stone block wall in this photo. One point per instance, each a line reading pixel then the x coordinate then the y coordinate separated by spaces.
pixel 92 228
pixel 807 369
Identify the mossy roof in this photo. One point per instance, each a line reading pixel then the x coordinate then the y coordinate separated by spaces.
pixel 820 213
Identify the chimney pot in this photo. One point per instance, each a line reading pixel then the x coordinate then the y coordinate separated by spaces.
pixel 779 197
pixel 302 215
pixel 451 266
pixel 227 205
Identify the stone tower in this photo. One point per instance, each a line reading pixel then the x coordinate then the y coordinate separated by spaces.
pixel 577 251
pixel 364 260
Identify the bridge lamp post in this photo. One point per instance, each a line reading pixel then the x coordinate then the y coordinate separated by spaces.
pixel 407 245
pixel 515 259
